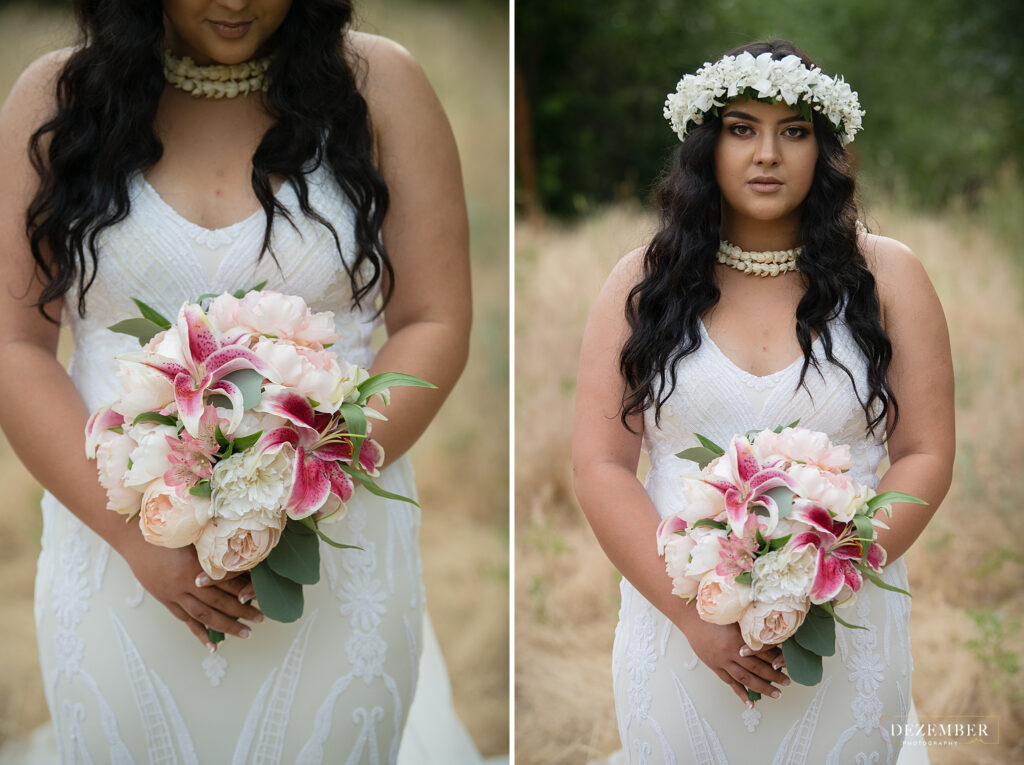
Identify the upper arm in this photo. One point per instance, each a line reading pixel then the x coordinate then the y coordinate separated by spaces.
pixel 598 433
pixel 426 230
pixel 921 371
pixel 31 102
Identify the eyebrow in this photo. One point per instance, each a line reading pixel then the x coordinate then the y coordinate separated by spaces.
pixel 752 118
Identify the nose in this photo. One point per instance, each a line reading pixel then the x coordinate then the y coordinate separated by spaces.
pixel 766 150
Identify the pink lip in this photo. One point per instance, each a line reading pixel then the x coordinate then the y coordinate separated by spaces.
pixel 230 30
pixel 765 184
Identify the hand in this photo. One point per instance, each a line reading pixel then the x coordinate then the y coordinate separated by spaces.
pixel 770 653
pixel 170 575
pixel 720 647
pixel 236 583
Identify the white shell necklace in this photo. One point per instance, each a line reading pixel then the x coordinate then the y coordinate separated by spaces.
pixel 216 80
pixel 770 263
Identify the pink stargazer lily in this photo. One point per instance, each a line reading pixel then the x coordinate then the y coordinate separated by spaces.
pixel 838 547
pixel 321 442
pixel 99 422
pixel 745 484
pixel 209 358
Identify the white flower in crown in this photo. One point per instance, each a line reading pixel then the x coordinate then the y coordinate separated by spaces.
pixel 786 79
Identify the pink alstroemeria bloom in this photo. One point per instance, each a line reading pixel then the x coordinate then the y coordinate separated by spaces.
pixel 321 442
pixel 191 457
pixel 744 483
pixel 737 555
pixel 838 547
pixel 208 359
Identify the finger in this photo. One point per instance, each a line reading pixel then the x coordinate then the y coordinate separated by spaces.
pixel 194 627
pixel 231 586
pixel 765 671
pixel 248 593
pixel 212 618
pixel 739 690
pixel 752 680
pixel 227 604
pixel 205 580
pixel 773 656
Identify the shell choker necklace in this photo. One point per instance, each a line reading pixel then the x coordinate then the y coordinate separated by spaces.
pixel 216 80
pixel 770 263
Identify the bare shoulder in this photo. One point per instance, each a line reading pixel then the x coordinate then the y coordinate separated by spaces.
pixel 34 95
pixel 627 272
pixel 897 270
pixel 389 73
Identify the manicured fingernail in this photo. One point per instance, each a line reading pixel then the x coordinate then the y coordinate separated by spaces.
pixel 744 651
pixel 775 694
pixel 750 704
pixel 244 633
pixel 786 681
pixel 203 580
pixel 776 666
pixel 258 618
pixel 212 648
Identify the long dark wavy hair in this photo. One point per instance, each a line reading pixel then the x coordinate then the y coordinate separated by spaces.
pixel 107 96
pixel 678 284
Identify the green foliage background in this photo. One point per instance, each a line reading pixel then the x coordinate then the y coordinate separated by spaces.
pixel 939 80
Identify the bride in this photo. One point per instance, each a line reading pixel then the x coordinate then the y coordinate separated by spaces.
pixel 139 165
pixel 694 333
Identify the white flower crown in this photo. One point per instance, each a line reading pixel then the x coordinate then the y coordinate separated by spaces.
pixel 764 78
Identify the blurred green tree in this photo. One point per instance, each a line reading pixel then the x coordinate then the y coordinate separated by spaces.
pixel 939 81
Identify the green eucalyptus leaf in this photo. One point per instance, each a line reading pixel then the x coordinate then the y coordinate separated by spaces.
pixel 818 632
pixel 280 598
pixel 802 666
pixel 152 314
pixel 744 578
pixel 699 454
pixel 297 554
pixel 783 500
pixel 201 489
pixel 162 419
pixel 371 386
pixel 143 329
pixel 250 383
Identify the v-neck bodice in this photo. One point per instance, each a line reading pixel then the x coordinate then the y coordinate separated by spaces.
pixel 711 397
pixel 162 258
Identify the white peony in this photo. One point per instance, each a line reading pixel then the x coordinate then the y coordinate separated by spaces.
pixel 784 574
pixel 705 555
pixel 252 484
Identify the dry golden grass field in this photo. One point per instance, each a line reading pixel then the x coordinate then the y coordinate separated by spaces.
pixel 965 571
pixel 462 462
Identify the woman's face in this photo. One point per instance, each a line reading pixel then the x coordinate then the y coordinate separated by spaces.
pixel 764 161
pixel 222 31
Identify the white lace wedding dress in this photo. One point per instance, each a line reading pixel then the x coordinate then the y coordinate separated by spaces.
pixel 670 707
pixel 125 681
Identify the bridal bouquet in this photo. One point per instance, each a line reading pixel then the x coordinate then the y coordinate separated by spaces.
pixel 774 535
pixel 239 432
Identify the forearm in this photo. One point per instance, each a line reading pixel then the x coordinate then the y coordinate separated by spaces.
pixel 625 523
pixel 44 419
pixel 433 351
pixel 926 476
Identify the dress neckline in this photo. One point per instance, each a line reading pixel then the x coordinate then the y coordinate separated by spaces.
pixel 230 228
pixel 757 380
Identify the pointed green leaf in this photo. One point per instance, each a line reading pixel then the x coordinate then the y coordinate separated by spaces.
pixel 707 443
pixel 280 598
pixel 870 574
pixel 709 522
pixel 117 429
pixel 163 419
pixel 144 329
pixel 832 612
pixel 242 443
pixel 866 532
pixel 310 523
pixel 371 485
pixel 802 666
pixel 783 500
pixel 222 440
pixel 744 578
pixel 699 454
pixel 250 382
pixel 779 542
pixel 152 314
pixel 355 419
pixel 371 386
pixel 818 632
pixel 297 554
pixel 888 497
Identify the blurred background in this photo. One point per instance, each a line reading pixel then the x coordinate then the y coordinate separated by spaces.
pixel 462 461
pixel 940 168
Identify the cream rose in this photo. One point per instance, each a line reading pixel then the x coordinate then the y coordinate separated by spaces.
pixel 677 557
pixel 168 520
pixel 771 623
pixel 237 545
pixel 112 455
pixel 720 599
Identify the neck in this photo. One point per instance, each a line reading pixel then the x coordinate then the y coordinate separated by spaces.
pixel 760 235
